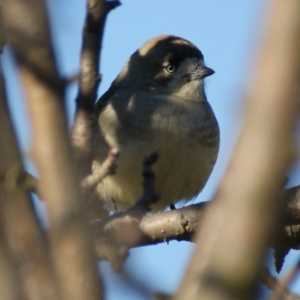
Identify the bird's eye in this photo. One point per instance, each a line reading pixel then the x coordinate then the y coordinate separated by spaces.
pixel 171 68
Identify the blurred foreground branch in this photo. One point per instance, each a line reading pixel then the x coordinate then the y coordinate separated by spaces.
pixel 226 264
pixel 25 267
pixel 71 245
pixel 238 225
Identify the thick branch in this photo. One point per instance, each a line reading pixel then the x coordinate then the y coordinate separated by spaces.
pixel 23 248
pixel 246 208
pixel 181 224
pixel 71 246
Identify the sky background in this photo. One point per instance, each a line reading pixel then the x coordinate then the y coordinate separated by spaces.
pixel 228 34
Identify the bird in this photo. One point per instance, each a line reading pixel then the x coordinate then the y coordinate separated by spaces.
pixel 158 102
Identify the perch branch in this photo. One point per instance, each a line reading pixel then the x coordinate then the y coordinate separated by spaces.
pixel 181 224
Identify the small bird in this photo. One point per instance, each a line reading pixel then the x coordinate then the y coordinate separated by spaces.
pixel 158 102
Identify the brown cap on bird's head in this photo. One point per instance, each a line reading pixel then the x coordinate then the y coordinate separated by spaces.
pixel 177 48
pixel 154 56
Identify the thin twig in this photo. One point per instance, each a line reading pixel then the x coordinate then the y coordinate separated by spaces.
pixel 282 285
pixel 272 283
pixel 108 167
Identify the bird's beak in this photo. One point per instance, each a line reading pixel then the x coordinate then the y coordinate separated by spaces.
pixel 205 72
pixel 201 72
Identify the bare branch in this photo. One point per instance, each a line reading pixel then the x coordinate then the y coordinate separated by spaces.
pixel 23 247
pixel 2 32
pixel 10 287
pixel 97 11
pixel 71 246
pixel 292 202
pixel 280 290
pixel 131 229
pixel 246 208
pixel 272 283
pixel 108 167
pixel 181 225
pixel 89 78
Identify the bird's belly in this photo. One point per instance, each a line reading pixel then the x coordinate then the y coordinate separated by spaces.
pixel 181 172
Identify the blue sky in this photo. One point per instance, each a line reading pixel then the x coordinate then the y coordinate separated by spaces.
pixel 229 36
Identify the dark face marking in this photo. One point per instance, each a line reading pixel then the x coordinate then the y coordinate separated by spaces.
pixel 146 68
pixel 152 59
pixel 172 50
